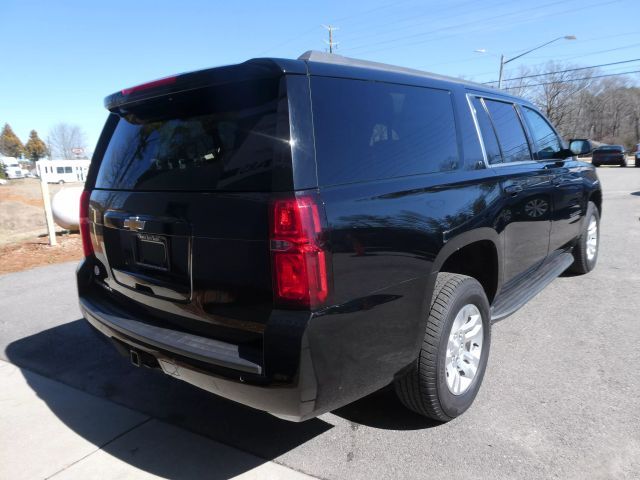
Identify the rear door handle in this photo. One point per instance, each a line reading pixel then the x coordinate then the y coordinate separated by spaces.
pixel 513 190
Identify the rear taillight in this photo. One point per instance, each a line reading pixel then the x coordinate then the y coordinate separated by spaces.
pixel 300 277
pixel 85 231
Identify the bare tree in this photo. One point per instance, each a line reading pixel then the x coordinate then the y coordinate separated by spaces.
pixel 580 104
pixel 63 138
pixel 554 90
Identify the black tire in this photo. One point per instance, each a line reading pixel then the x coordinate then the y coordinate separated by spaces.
pixel 623 164
pixel 423 388
pixel 581 262
pixel 596 165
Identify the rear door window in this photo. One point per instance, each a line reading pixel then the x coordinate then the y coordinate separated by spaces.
pixel 228 137
pixel 513 142
pixel 372 130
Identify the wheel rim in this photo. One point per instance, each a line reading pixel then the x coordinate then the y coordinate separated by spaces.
pixel 464 349
pixel 592 238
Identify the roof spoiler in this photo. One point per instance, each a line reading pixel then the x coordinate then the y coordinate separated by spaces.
pixel 251 69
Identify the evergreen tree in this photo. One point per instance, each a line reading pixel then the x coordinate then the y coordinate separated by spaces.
pixel 10 144
pixel 35 148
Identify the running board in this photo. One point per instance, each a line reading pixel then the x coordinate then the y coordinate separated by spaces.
pixel 513 298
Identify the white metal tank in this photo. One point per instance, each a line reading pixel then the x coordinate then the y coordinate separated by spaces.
pixel 65 206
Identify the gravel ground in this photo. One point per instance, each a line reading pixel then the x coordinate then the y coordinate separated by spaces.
pixel 559 398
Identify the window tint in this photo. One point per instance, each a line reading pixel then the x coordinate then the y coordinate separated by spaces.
pixel 489 139
pixel 546 141
pixel 59 169
pixel 513 141
pixel 370 130
pixel 227 137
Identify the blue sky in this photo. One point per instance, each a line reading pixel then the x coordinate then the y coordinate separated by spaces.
pixel 62 58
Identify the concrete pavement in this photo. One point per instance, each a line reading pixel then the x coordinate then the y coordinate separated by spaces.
pixel 50 430
pixel 559 398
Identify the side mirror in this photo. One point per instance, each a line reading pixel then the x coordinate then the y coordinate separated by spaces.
pixel 580 147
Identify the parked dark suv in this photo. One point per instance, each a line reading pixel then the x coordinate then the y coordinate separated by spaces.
pixel 296 234
pixel 609 155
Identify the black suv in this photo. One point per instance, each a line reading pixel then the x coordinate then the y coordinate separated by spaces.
pixel 296 234
pixel 609 155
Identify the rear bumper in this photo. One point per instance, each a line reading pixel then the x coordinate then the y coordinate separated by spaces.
pixel 311 363
pixel 608 160
pixel 174 352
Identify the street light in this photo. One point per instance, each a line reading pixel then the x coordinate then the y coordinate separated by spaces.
pixel 503 62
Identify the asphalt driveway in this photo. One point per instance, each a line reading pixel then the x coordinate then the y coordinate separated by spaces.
pixel 559 399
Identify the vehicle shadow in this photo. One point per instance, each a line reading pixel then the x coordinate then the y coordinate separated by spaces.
pixel 637 194
pixel 75 355
pixel 383 410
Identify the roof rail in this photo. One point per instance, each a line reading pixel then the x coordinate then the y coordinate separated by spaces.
pixel 324 57
pixel 332 58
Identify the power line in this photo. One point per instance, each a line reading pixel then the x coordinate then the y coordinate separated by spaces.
pixel 565 71
pixel 415 18
pixel 366 12
pixel 474 22
pixel 511 52
pixel 286 42
pixel 574 79
pixel 479 24
pixel 624 47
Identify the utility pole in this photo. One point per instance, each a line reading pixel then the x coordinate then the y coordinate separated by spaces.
pixel 501 70
pixel 331 43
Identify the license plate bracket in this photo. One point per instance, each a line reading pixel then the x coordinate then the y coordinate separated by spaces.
pixel 152 251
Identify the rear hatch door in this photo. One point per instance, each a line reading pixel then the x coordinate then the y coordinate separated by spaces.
pixel 181 201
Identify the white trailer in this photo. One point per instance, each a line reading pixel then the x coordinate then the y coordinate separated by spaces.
pixel 63 171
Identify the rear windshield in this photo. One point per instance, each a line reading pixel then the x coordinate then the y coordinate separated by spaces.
pixel 231 137
pixel 611 148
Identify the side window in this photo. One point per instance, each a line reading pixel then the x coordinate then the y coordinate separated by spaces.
pixel 513 141
pixel 59 169
pixel 68 170
pixel 373 130
pixel 488 133
pixel 546 141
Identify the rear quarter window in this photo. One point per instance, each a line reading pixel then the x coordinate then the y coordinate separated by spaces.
pixel 370 130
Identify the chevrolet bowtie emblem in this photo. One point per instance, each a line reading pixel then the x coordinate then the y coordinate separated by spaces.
pixel 134 223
